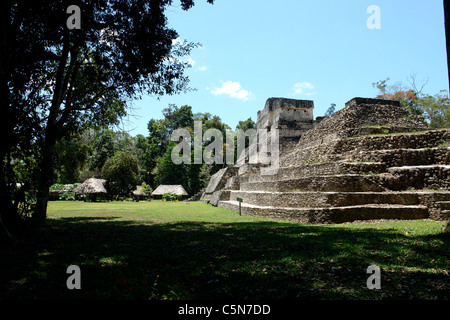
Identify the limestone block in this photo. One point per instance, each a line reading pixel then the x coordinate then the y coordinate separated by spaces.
pixel 219 195
pixel 219 179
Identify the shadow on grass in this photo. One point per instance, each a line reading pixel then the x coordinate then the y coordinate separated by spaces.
pixel 196 260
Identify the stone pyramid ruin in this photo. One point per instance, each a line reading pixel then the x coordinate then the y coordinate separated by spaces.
pixel 370 160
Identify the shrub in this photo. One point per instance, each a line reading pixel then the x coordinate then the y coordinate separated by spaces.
pixel 170 197
pixel 56 187
pixel 121 172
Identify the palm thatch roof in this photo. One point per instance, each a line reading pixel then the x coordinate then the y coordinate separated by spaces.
pixel 63 188
pixel 167 188
pixel 91 186
pixel 67 187
pixel 139 192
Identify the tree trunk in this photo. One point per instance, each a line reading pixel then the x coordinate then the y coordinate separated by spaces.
pixel 9 218
pixel 447 34
pixel 52 133
pixel 46 174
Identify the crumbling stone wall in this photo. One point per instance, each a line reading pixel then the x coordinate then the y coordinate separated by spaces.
pixel 405 157
pixel 291 117
pixel 426 139
pixel 392 149
pixel 360 112
pixel 279 109
pixel 436 177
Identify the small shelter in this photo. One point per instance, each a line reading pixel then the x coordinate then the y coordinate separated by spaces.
pixel 169 189
pixel 139 194
pixel 92 187
pixel 55 194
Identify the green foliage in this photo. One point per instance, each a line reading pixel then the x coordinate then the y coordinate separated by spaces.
pixel 146 188
pixel 104 148
pixel 65 196
pixel 68 193
pixel 246 125
pixel 85 154
pixel 71 157
pixel 57 187
pixel 330 110
pixel 177 118
pixel 434 108
pixel 121 172
pixel 56 82
pixel 171 197
pixel 157 163
pixel 166 172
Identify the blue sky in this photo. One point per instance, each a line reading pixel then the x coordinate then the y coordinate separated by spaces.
pixel 316 50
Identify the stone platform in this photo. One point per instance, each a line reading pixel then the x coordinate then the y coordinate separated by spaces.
pixel 370 160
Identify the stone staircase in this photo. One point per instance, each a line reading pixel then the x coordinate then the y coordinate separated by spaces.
pixel 196 196
pixel 352 174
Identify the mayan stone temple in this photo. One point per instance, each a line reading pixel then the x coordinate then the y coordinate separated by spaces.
pixel 369 160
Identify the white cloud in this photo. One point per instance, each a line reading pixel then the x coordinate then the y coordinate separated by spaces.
pixel 232 89
pixel 202 68
pixel 304 88
pixel 191 61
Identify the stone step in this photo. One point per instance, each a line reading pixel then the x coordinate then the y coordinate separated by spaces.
pixel 418 140
pixel 445 214
pixel 405 157
pixel 331 215
pixel 334 148
pixel 444 205
pixel 417 177
pixel 196 197
pixel 326 199
pixel 234 183
pixel 383 130
pixel 309 170
pixel 338 183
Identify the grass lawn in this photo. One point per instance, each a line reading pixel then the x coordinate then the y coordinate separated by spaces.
pixel 173 250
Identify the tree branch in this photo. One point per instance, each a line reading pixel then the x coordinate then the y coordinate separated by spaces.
pixel 59 82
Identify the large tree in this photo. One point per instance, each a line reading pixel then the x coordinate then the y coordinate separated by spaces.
pixel 121 171
pixel 447 34
pixel 55 80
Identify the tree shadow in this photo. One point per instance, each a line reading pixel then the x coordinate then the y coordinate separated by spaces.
pixel 122 259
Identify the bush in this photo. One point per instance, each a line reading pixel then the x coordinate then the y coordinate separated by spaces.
pixel 56 187
pixel 147 189
pixel 121 172
pixel 171 197
pixel 66 196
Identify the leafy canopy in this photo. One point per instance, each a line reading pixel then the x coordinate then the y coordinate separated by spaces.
pixel 121 172
pixel 434 108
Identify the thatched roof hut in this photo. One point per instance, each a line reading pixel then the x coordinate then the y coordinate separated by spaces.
pixel 166 188
pixel 92 186
pixel 67 188
pixel 138 192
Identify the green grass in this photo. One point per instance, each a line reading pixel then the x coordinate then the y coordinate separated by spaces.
pixel 445 144
pixel 173 250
